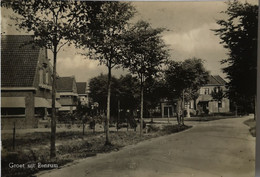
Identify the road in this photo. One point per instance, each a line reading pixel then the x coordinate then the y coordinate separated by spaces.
pixel 222 148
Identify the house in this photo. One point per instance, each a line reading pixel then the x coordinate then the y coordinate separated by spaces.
pixel 25 82
pixel 82 93
pixel 67 90
pixel 204 104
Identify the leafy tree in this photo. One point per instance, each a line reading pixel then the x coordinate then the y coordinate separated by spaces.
pixel 218 95
pixel 184 79
pixel 156 90
pixel 238 33
pixel 128 87
pixel 145 53
pixel 53 24
pixel 98 90
pixel 105 42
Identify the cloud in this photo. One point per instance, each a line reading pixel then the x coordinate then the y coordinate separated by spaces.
pixel 195 41
pixel 200 42
pixel 82 68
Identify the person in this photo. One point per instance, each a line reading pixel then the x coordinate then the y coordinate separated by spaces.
pixel 179 112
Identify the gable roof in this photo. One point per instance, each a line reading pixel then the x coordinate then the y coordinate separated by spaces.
pixel 81 87
pixel 216 80
pixel 65 83
pixel 18 60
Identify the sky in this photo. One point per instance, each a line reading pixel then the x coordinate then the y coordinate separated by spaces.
pixel 189 35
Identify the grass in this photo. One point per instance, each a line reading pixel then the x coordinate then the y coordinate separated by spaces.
pixel 32 148
pixel 252 126
pixel 209 118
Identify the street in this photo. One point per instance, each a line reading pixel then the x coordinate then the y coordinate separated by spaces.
pixel 221 148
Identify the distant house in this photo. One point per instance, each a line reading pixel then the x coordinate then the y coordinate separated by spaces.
pixel 67 89
pixel 82 93
pixel 25 82
pixel 204 104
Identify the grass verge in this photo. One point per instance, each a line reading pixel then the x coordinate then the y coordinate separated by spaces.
pixel 33 149
pixel 252 126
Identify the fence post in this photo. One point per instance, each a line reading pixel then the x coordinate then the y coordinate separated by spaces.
pixel 83 125
pixel 14 137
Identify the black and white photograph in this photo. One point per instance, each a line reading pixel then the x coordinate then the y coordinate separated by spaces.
pixel 129 88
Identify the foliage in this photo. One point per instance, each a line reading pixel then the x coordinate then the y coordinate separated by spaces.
pixel 52 23
pixel 98 90
pixel 104 41
pixel 123 89
pixel 129 94
pixel 146 51
pixel 187 76
pixel 145 54
pixel 238 33
pixel 155 92
pixel 217 94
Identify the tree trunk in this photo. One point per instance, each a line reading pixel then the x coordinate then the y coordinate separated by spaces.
pixel 53 110
pixel 118 116
pixel 218 106
pixel 236 110
pixel 168 115
pixel 108 104
pixel 142 106
pixel 255 115
pixel 182 108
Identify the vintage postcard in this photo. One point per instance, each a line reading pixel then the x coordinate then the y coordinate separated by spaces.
pixel 128 89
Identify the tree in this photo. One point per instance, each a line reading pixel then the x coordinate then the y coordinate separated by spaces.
pixel 218 95
pixel 128 88
pixel 238 34
pixel 98 90
pixel 106 44
pixel 145 53
pixel 156 90
pixel 53 24
pixel 184 79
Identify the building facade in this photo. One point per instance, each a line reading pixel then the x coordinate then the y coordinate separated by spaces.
pixel 204 104
pixel 82 93
pixel 25 82
pixel 67 90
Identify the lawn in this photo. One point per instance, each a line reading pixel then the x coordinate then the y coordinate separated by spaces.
pixel 32 148
pixel 252 126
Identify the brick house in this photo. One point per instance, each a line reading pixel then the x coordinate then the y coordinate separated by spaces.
pixel 82 93
pixel 67 89
pixel 25 82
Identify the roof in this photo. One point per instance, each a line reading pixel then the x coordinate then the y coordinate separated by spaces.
pixel 65 83
pixel 81 87
pixel 18 60
pixel 216 80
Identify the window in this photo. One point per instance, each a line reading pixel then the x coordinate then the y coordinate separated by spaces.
pixel 206 91
pixel 12 111
pixel 47 78
pixel 220 104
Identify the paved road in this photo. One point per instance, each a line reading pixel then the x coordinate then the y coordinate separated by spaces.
pixel 222 148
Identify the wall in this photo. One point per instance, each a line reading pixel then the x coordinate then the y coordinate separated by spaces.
pixel 29 121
